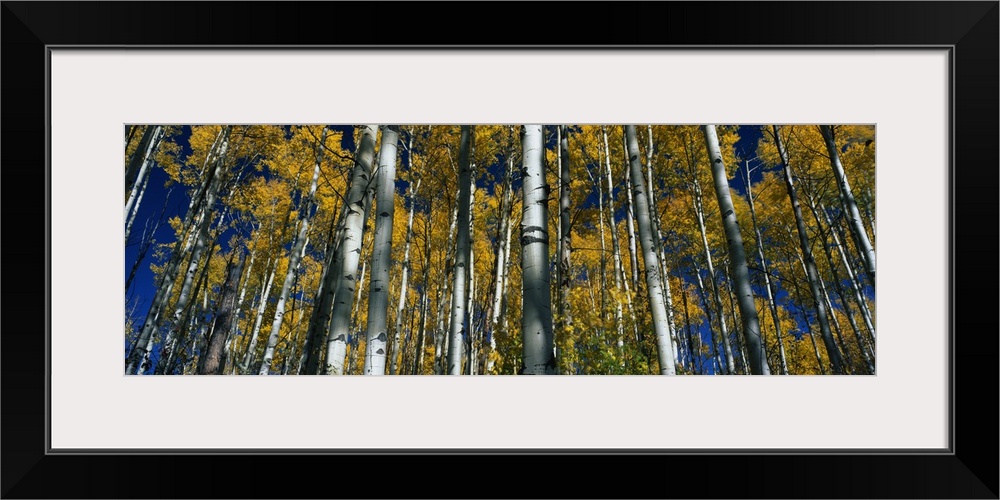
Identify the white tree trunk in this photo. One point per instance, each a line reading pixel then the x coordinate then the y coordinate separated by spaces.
pixel 265 295
pixel 350 252
pixel 737 258
pixel 654 283
pixel 850 206
pixel 724 330
pixel 460 282
pixel 378 295
pixel 403 282
pixel 615 247
pixel 135 193
pixel 536 323
pixel 138 201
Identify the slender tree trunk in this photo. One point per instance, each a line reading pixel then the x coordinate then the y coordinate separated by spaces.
pixel 441 343
pixel 139 159
pixel 502 256
pixel 615 248
pixel 168 353
pixel 768 285
pixel 564 273
pixel 424 300
pixel 724 330
pixel 350 252
pixel 294 258
pixel 861 240
pixel 248 358
pixel 654 219
pixel 460 284
pixel 708 320
pixel 859 295
pixel 378 296
pixel 810 264
pixel 654 287
pixel 138 201
pixel 630 220
pixel 737 258
pixel 536 305
pixel 403 285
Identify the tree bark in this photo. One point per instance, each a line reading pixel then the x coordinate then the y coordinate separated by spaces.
pixel 861 240
pixel 460 283
pixel 654 283
pixel 349 253
pixel 536 324
pixel 378 290
pixel 213 362
pixel 737 258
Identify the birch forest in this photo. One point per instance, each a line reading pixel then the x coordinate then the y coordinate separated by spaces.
pixel 499 250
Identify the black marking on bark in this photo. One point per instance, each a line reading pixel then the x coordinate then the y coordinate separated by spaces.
pixel 717 160
pixel 377 289
pixel 380 351
pixel 349 277
pixel 633 158
pixel 339 338
pixel 381 337
pixel 460 264
pixel 384 214
pixel 527 240
pixel 727 214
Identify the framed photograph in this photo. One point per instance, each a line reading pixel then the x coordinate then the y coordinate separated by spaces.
pixel 908 90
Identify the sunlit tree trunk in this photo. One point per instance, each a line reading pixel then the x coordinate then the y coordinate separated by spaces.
pixel 248 358
pixel 810 264
pixel 737 258
pixel 378 295
pixel 536 305
pixel 139 161
pixel 350 252
pixel 654 287
pixel 850 206
pixel 294 258
pixel 460 283
pixel 444 297
pixel 615 248
pixel 403 282
pixel 424 299
pixel 630 220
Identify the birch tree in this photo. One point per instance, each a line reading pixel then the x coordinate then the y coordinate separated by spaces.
pixel 858 231
pixel 378 297
pixel 536 304
pixel 738 262
pixel 349 252
pixel 654 284
pixel 460 284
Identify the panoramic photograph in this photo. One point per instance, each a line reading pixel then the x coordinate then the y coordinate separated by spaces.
pixel 499 249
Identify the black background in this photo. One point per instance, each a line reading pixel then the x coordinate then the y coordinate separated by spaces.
pixel 971 472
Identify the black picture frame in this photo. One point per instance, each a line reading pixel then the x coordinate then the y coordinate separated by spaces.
pixel 968 469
